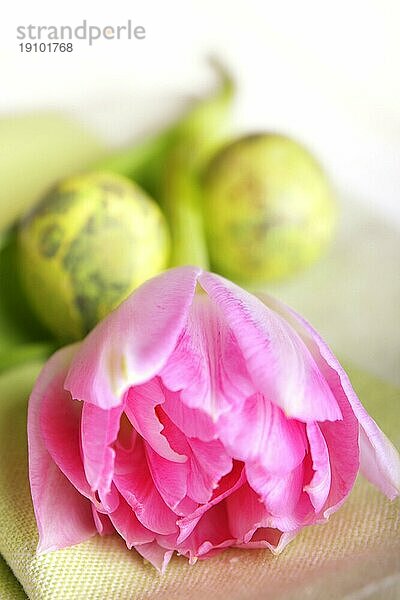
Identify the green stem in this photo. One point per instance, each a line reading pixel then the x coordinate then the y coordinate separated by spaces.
pixel 197 137
pixel 182 204
pixel 141 162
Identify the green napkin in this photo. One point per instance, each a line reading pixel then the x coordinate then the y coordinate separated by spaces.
pixel 10 588
pixel 355 555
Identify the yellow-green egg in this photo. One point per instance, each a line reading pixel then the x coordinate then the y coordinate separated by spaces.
pixel 269 210
pixel 90 241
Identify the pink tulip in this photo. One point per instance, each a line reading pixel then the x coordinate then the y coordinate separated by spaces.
pixel 193 418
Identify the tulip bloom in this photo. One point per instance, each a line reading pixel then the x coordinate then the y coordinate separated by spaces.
pixel 193 418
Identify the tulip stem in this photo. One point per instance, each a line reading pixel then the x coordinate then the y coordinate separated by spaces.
pixel 196 138
pixel 142 162
pixel 182 205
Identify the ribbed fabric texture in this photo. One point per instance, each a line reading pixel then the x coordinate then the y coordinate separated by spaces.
pixel 355 556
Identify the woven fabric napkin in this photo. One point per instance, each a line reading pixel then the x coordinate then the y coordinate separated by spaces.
pixel 355 556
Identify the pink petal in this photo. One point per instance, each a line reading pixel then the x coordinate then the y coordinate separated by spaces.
pixel 319 487
pixel 109 500
pixel 342 443
pixel 102 522
pixel 267 537
pixel 141 402
pixel 186 507
pixel 128 526
pixel 159 557
pixel 207 461
pixel 59 419
pixel 132 344
pixel 211 534
pixel 207 366
pixel 133 480
pixel 278 361
pixel 228 485
pixel 302 515
pixel 246 513
pixel 341 436
pixel 63 515
pixel 170 478
pixel 279 492
pixel 380 461
pixel 191 421
pixel 99 429
pixel 259 431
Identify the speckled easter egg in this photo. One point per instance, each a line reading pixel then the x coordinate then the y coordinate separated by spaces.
pixel 91 241
pixel 269 210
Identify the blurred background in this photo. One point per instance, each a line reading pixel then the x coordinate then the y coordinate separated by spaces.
pixel 326 74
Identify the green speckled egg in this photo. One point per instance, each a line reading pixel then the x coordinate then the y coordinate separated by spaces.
pixel 269 210
pixel 86 246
